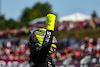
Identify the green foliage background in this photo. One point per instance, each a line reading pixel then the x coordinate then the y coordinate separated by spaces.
pixel 28 14
pixel 81 33
pixel 40 10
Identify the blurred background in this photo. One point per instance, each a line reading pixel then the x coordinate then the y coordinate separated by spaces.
pixel 77 30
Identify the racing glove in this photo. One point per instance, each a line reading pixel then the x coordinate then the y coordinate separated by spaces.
pixel 50 21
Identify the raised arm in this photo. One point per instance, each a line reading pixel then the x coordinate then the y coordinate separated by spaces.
pixel 49 34
pixel 40 55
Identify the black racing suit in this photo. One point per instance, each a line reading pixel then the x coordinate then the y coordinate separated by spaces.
pixel 41 57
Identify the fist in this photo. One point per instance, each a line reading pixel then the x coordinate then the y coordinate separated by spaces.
pixel 50 21
pixel 50 18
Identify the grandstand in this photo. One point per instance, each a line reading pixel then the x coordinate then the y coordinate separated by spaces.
pixel 78 37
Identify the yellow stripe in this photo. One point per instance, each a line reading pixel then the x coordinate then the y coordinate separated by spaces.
pixel 53 45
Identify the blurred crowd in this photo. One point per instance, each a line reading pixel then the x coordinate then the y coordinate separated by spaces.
pixel 14 33
pixel 75 49
pixel 17 49
pixel 61 26
pixel 14 49
pixel 79 50
pixel 70 25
